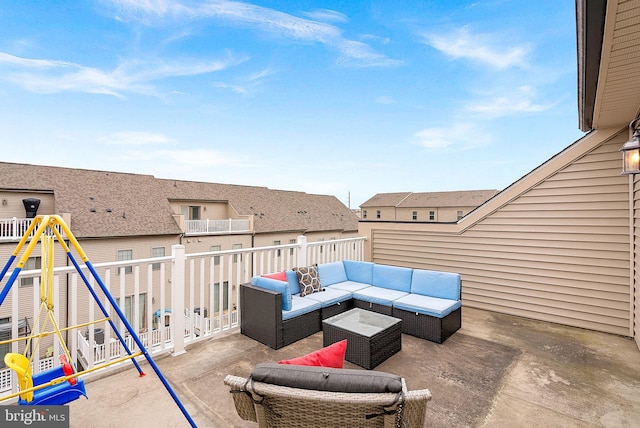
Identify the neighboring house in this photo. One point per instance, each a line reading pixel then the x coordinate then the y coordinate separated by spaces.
pixel 118 216
pixel 440 207
pixel 105 210
pixel 561 244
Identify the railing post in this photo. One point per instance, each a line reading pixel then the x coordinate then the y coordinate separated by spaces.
pixel 301 257
pixel 177 298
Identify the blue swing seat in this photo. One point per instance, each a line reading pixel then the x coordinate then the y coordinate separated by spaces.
pixel 55 394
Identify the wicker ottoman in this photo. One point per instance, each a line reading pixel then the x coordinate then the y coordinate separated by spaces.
pixel 371 337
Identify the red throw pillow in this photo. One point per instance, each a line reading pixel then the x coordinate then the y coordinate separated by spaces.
pixel 329 356
pixel 280 276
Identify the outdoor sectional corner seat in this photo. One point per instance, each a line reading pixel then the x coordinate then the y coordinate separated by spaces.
pixel 303 396
pixel 428 302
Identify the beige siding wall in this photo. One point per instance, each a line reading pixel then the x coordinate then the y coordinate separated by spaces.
pixel 386 213
pixel 554 246
pixel 11 203
pixel 26 305
pixel 208 210
pixel 442 214
pixel 203 243
pixel 635 302
pixel 267 239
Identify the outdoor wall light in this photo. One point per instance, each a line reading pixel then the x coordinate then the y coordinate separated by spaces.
pixel 631 150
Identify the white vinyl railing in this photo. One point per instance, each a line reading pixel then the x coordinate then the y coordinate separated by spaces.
pixel 209 227
pixel 202 287
pixel 12 229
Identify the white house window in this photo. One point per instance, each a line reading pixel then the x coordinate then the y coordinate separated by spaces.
pixel 364 213
pixel 378 214
pixel 460 215
pixel 122 256
pixel 216 259
pixel 225 296
pixel 31 264
pixel 129 310
pixel 157 252
pixel 414 215
pixel 276 243
pixel 190 212
pixel 235 256
pixel 432 215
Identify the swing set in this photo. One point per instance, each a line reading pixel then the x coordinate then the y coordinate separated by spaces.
pixel 62 384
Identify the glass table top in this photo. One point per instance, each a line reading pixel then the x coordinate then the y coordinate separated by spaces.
pixel 361 321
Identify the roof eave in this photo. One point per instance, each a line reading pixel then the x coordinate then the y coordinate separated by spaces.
pixel 590 18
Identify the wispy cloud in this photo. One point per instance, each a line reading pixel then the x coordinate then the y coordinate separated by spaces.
pixel 462 136
pixel 238 89
pixel 250 84
pixel 326 15
pixel 374 38
pixel 52 76
pixel 202 158
pixel 483 48
pixel 360 54
pixel 385 100
pixel 136 138
pixel 352 53
pixel 519 100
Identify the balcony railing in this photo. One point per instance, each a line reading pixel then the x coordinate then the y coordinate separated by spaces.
pixel 12 229
pixel 212 227
pixel 203 287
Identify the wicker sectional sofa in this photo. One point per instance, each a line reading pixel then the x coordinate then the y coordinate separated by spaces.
pixel 428 302
pixel 302 396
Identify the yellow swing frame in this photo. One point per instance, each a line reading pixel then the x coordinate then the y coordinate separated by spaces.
pixel 53 379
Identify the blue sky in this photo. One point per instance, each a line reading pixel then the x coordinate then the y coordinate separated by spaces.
pixel 347 98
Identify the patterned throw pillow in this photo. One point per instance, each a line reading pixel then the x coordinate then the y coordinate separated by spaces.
pixel 308 279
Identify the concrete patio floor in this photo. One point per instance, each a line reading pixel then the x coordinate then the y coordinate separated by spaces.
pixel 496 371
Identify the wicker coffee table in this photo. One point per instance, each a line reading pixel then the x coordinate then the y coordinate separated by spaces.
pixel 371 337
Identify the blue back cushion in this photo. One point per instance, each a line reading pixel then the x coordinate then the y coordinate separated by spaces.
pixel 332 273
pixel 359 271
pixel 392 277
pixel 445 285
pixel 275 285
pixel 292 279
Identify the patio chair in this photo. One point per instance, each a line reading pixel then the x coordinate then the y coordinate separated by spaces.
pixel 283 405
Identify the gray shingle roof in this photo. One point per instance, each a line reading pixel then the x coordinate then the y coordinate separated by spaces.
pixel 464 198
pixel 101 203
pixel 109 204
pixel 385 199
pixel 273 210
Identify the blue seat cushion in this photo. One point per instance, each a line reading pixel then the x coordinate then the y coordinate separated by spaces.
pixel 427 305
pixel 329 296
pixel 300 306
pixel 350 286
pixel 379 295
pixel 275 285
pixel 331 273
pixel 392 277
pixel 359 271
pixel 294 283
pixel 445 285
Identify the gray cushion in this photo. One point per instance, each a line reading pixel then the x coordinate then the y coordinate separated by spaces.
pixel 327 379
